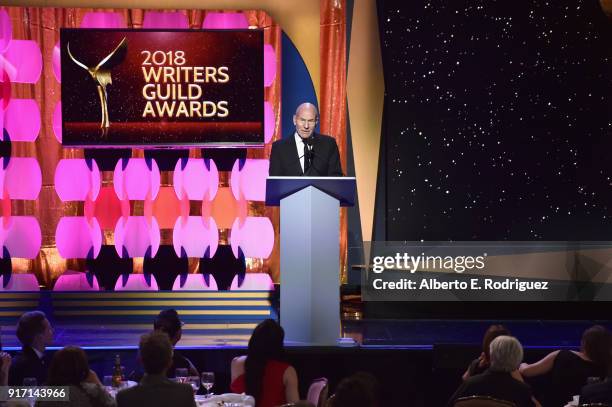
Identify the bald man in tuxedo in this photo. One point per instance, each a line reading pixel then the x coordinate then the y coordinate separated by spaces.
pixel 305 153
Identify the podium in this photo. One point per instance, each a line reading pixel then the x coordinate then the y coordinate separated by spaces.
pixel 310 254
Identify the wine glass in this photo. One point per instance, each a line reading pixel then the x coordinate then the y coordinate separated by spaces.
pixel 208 381
pixel 194 381
pixel 181 374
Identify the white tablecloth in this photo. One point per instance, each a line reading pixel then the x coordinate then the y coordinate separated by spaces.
pixel 226 400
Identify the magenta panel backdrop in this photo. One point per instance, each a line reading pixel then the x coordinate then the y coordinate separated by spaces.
pixel 103 20
pixel 250 182
pixel 20 282
pixel 193 235
pixel 225 20
pixel 21 236
pixel 253 282
pixel 159 19
pixel 23 61
pixel 269 64
pixel 195 181
pixel 74 181
pixel 136 181
pixel 22 120
pixel 75 281
pixel 22 178
pixel 137 234
pixel 6 30
pixel 255 237
pixel 76 237
pixel 195 282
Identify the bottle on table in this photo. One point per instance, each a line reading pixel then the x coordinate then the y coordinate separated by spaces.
pixel 117 378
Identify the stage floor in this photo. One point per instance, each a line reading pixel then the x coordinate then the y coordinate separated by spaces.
pixel 367 333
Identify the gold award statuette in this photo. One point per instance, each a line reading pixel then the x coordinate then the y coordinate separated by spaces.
pixel 101 73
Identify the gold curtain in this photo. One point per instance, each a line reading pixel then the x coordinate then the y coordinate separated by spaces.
pixel 42 25
pixel 333 93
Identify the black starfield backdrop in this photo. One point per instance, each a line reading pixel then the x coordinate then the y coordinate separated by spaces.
pixel 163 88
pixel 498 120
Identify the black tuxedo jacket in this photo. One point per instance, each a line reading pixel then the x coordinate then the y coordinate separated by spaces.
pixel 285 161
pixel 28 364
pixel 157 391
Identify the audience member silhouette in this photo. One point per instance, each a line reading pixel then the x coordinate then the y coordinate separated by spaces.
pixel 155 389
pixel 262 373
pixel 501 380
pixel 69 367
pixel 481 363
pixel 569 370
pixel 35 333
pixel 168 321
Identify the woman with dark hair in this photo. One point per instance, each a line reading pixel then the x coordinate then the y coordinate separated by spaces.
pixel 569 370
pixel 262 373
pixel 5 364
pixel 481 363
pixel 69 367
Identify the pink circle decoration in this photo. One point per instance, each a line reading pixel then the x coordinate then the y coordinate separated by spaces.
pixel 160 19
pixel 75 281
pixel 57 121
pixel 221 21
pixel 195 179
pixel 76 238
pixel 22 178
pixel 253 282
pixel 250 181
pixel 5 86
pixel 21 236
pixel 56 61
pixel 74 181
pixel 101 19
pixel 20 282
pixel 136 181
pixel 166 207
pixel 269 122
pixel 255 237
pixel 6 30
pixel 193 236
pixel 107 208
pixel 22 120
pixel 269 65
pixel 23 61
pixel 137 236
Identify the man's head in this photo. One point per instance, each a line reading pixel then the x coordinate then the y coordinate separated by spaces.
pixel 506 354
pixel 168 322
pixel 155 352
pixel 34 330
pixel 305 119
